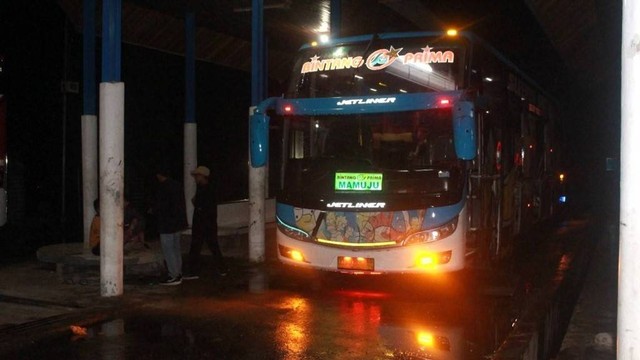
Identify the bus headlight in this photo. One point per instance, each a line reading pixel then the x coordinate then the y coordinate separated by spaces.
pixel 432 235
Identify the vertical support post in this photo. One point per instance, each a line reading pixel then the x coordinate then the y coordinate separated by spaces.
pixel 3 157
pixel 257 175
pixel 335 18
pixel 89 127
pixel 111 146
pixel 190 126
pixel 89 120
pixel 628 267
pixel 257 53
pixel 3 149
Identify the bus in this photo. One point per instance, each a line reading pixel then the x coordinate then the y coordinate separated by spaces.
pixel 408 153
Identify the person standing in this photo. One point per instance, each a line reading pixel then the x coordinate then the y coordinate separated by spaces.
pixel 204 227
pixel 171 215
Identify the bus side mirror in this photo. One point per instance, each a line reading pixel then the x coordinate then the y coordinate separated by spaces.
pixel 259 128
pixel 464 130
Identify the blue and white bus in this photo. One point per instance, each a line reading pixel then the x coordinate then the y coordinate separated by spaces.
pixel 407 153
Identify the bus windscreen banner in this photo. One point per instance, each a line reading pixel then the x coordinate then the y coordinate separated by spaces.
pixel 358 181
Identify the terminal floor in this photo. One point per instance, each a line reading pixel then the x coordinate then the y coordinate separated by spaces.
pixel 37 298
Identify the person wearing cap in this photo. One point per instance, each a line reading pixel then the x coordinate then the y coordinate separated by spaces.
pixel 204 227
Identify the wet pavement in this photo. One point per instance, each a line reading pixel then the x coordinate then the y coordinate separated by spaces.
pixel 275 312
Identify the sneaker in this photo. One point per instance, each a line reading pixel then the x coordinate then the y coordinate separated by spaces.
pixel 172 281
pixel 190 277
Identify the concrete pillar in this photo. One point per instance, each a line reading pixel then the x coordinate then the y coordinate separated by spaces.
pixel 257 180
pixel 111 188
pixel 257 213
pixel 629 267
pixel 190 127
pixel 3 158
pixel 89 121
pixel 111 152
pixel 190 163
pixel 257 176
pixel 89 171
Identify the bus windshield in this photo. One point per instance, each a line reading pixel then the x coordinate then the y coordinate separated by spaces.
pixel 389 141
pixel 378 67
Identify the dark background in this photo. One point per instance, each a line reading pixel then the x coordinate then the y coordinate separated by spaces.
pixel 41 48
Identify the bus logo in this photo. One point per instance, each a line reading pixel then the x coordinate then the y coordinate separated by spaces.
pixel 388 100
pixel 358 205
pixel 382 58
pixel 358 181
pixel 378 60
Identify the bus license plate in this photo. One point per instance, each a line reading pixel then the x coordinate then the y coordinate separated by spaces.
pixel 355 263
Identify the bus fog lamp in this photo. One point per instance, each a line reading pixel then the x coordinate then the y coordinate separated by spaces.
pixel 425 339
pixel 430 260
pixel 293 254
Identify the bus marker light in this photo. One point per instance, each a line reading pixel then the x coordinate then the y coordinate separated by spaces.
pixel 445 102
pixel 287 108
pixel 452 32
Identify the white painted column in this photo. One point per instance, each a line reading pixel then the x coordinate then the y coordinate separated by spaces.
pixel 111 187
pixel 256 210
pixel 629 266
pixel 190 163
pixel 256 214
pixel 89 125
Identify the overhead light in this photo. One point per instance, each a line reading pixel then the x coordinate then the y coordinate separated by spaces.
pixel 324 38
pixel 488 79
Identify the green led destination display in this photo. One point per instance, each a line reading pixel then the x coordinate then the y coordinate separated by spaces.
pixel 358 181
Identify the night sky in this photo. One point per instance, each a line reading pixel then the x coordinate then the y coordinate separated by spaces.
pixel 32 41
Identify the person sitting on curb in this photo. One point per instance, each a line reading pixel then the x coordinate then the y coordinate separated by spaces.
pixel 94 230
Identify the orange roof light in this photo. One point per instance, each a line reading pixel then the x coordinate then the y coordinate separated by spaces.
pixel 452 32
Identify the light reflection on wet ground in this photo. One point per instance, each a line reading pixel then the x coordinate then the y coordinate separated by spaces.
pixel 270 314
pixel 297 318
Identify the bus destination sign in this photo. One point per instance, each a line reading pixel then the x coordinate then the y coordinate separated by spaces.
pixel 358 181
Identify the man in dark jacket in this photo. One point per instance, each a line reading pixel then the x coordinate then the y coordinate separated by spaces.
pixel 204 227
pixel 171 216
